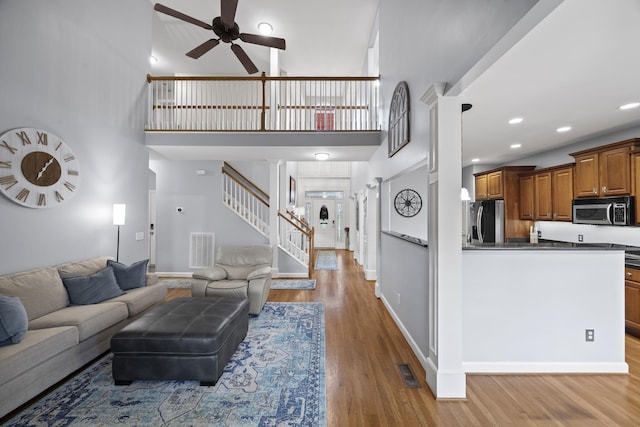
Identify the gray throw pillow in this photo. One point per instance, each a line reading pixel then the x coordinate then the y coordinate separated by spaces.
pixel 131 277
pixel 13 320
pixel 92 289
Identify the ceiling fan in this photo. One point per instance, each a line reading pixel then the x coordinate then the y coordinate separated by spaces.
pixel 227 30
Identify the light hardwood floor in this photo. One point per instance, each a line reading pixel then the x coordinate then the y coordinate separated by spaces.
pixel 364 387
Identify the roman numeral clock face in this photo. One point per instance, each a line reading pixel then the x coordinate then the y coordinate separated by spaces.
pixel 37 169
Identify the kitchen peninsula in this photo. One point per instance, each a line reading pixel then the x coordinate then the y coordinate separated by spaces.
pixel 527 308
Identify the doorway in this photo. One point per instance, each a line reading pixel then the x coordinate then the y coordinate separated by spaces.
pixel 324 223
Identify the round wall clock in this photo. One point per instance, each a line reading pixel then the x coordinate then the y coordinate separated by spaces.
pixel 37 169
pixel 408 203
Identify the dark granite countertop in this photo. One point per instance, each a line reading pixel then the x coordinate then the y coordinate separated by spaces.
pixel 548 245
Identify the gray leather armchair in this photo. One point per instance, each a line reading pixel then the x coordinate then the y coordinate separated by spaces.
pixel 239 271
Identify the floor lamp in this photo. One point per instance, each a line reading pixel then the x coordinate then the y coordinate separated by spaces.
pixel 118 219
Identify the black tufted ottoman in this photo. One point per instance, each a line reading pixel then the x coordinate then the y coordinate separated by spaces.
pixel 182 339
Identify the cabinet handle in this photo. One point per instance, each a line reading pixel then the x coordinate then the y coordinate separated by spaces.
pixel 629 273
pixel 604 189
pixel 595 190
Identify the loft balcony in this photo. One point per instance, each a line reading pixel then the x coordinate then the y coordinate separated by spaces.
pixel 263 104
pixel 252 110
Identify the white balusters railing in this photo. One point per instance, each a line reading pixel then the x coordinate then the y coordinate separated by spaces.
pixel 246 202
pixel 296 238
pixel 263 103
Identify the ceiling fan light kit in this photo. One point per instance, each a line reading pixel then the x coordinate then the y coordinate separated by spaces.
pixel 227 31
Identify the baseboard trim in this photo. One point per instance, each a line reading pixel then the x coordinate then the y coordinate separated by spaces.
pixel 545 368
pixel 416 350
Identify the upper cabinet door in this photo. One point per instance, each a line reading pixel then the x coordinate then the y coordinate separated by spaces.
pixel 543 210
pixel 481 187
pixel 587 183
pixel 615 176
pixel 526 197
pixel 494 185
pixel 562 194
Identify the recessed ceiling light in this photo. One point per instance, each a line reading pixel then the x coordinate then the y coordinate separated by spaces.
pixel 630 105
pixel 265 28
pixel 515 145
pixel 153 60
pixel 321 156
pixel 476 160
pixel 563 129
pixel 516 120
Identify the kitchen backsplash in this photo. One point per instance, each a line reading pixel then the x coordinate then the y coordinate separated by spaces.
pixel 569 232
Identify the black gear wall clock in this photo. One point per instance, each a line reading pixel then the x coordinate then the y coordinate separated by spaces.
pixel 408 203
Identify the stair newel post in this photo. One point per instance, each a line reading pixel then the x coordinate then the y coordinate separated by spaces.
pixel 264 101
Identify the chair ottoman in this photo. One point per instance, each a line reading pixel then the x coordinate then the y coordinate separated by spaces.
pixel 182 339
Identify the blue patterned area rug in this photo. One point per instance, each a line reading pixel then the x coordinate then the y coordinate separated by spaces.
pixel 326 260
pixel 293 284
pixel 275 378
pixel 176 283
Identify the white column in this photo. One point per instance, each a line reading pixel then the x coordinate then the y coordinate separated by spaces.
pixel 445 374
pixel 274 205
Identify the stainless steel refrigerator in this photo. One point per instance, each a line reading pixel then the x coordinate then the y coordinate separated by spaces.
pixel 487 221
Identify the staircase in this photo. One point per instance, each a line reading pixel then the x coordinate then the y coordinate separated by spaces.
pixel 251 203
pixel 246 199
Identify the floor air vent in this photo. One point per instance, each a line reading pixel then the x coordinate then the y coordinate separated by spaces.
pixel 407 376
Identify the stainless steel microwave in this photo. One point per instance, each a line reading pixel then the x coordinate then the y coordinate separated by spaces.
pixel 604 211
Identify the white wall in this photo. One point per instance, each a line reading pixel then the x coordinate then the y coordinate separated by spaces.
pixel 200 196
pixel 66 69
pixel 527 311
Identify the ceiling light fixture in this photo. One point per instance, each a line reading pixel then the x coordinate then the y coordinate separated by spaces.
pixel 516 120
pixel 476 160
pixel 515 145
pixel 321 156
pixel 153 60
pixel 563 129
pixel 630 106
pixel 265 28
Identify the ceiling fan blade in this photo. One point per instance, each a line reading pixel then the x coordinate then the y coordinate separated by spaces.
pixel 203 48
pixel 244 59
pixel 228 12
pixel 263 40
pixel 171 12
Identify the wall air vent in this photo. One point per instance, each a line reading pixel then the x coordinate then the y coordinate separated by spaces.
pixel 201 250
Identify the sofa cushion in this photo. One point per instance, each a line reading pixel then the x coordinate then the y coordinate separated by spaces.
pixel 132 276
pixel 41 291
pixel 92 289
pixel 89 319
pixel 13 320
pixel 139 299
pixel 82 268
pixel 36 347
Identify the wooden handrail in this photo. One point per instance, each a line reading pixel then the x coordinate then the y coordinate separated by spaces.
pixel 264 202
pixel 303 223
pixel 263 77
pixel 305 232
pixel 237 172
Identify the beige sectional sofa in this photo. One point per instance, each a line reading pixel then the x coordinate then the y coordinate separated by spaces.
pixel 61 337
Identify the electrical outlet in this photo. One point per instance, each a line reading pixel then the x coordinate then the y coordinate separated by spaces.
pixel 580 238
pixel 539 234
pixel 589 335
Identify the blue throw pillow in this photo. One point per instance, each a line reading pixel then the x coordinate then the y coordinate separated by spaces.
pixel 92 289
pixel 131 277
pixel 13 320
